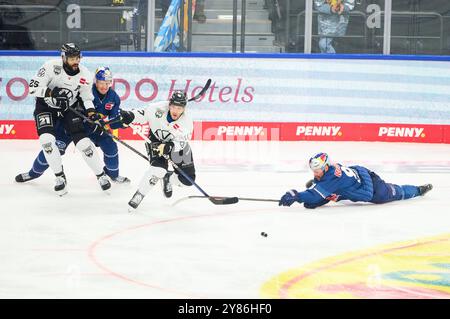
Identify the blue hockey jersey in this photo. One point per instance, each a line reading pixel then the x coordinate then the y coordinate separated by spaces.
pixel 339 183
pixel 108 105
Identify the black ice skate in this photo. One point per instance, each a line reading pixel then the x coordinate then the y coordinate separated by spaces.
pixel 425 189
pixel 103 181
pixel 25 177
pixel 135 201
pixel 167 186
pixel 61 183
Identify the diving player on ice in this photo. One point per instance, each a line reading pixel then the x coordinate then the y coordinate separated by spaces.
pixel 170 130
pixel 335 182
pixel 107 107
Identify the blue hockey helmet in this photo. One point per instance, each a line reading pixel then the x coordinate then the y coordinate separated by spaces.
pixel 319 162
pixel 103 73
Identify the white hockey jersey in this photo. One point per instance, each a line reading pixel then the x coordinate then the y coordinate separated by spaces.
pixel 179 132
pixel 52 75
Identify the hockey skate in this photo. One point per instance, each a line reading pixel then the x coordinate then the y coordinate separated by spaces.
pixel 135 201
pixel 103 181
pixel 25 177
pixel 121 180
pixel 61 183
pixel 425 189
pixel 166 185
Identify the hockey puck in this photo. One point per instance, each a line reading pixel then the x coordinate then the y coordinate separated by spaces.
pixel 263 234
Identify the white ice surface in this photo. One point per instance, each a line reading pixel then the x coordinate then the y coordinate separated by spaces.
pixel 86 244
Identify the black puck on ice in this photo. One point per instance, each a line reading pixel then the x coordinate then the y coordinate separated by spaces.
pixel 263 234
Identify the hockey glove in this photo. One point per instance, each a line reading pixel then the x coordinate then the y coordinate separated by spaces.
pixel 289 198
pixel 60 98
pixel 127 117
pixel 97 127
pixel 165 148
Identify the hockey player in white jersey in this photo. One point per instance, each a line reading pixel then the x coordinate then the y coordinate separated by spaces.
pixel 57 86
pixel 170 130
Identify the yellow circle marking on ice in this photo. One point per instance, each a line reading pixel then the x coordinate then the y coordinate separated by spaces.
pixel 413 269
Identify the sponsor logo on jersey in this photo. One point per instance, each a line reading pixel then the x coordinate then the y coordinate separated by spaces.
pixel 337 171
pixel 240 130
pixel 318 130
pixel 41 72
pixel 57 69
pixel 176 126
pixel 401 131
pixel 109 106
pixel 83 81
pixel 7 129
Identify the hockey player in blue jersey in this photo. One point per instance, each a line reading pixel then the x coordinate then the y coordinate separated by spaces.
pixel 335 182
pixel 107 104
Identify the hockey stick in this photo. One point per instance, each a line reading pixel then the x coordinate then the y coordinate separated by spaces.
pixel 239 199
pixel 205 88
pixel 108 133
pixel 201 93
pixel 217 200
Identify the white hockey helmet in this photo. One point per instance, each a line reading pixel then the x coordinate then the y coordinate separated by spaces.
pixel 319 162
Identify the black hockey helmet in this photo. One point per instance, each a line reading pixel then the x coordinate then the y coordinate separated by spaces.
pixel 178 98
pixel 70 50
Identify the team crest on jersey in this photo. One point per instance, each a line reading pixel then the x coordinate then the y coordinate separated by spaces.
pixel 109 106
pixel 159 113
pixel 163 135
pixel 57 69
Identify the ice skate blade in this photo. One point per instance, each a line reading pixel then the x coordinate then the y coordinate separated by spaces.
pixel 62 192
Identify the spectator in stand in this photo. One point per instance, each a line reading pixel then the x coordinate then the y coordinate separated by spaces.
pixel 333 20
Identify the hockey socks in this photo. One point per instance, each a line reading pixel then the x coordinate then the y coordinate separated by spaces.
pixel 90 155
pixel 51 152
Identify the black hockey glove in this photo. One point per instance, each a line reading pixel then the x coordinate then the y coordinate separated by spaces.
pixel 157 149
pixel 97 127
pixel 126 116
pixel 60 98
pixel 165 148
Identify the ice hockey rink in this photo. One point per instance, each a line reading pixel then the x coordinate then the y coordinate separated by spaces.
pixel 87 245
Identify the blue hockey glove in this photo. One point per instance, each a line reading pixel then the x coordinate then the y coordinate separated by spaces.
pixel 289 198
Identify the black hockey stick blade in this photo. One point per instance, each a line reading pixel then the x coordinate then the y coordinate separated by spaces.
pixel 205 88
pixel 223 200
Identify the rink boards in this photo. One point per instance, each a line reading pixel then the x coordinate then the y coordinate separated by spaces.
pixel 281 97
pixel 268 131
